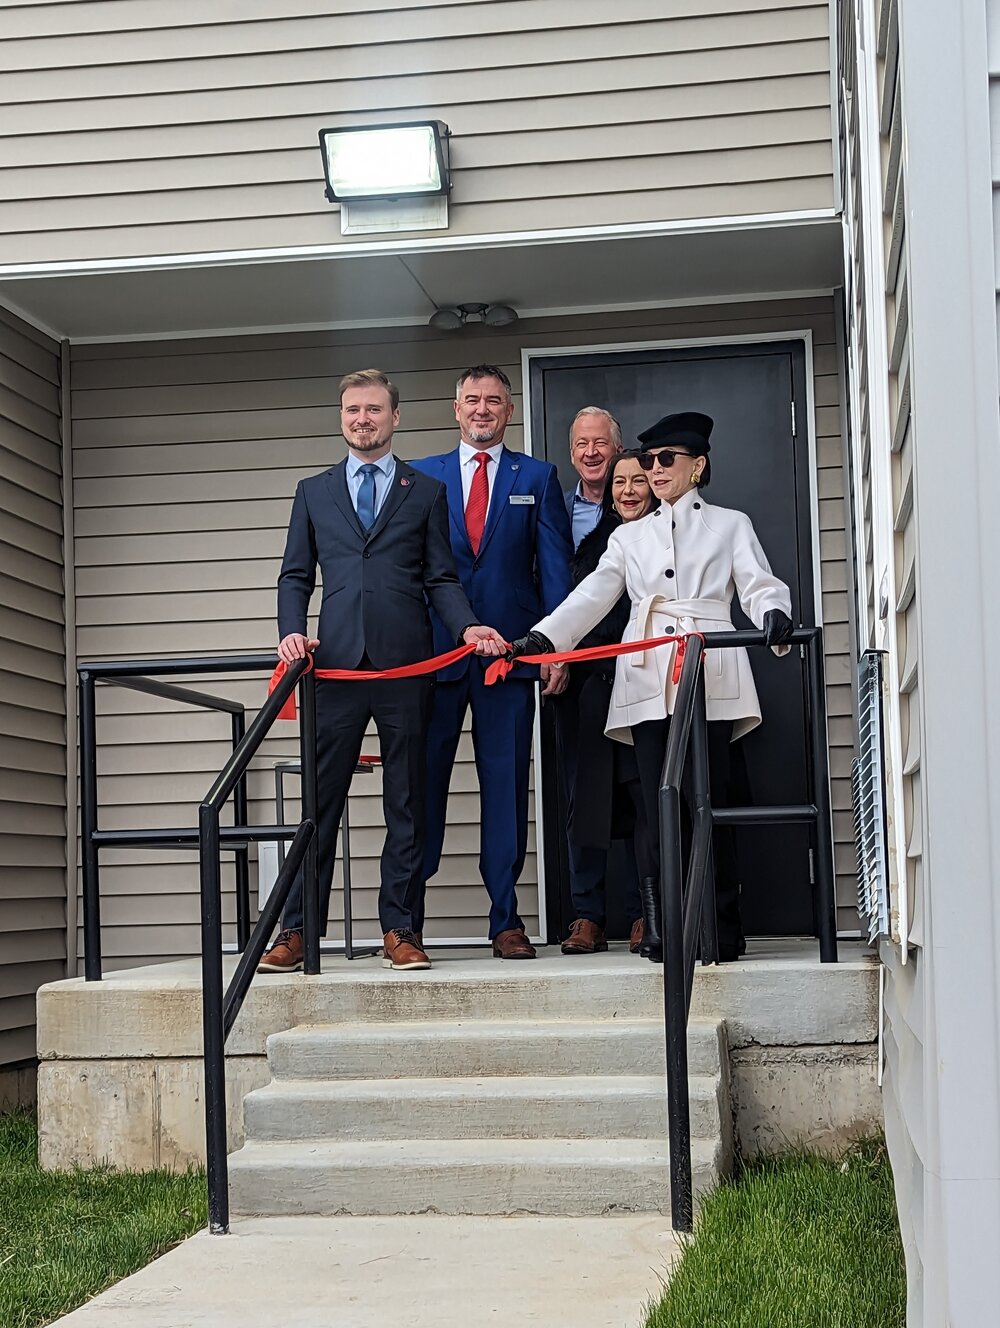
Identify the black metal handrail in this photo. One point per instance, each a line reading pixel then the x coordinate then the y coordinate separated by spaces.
pixel 688 908
pixel 145 675
pixel 219 1008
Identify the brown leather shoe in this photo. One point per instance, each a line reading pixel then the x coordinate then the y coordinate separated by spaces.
pixel 512 944
pixel 635 936
pixel 401 950
pixel 585 937
pixel 284 956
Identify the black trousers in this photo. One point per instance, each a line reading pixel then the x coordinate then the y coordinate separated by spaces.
pixel 588 864
pixel 401 711
pixel 650 741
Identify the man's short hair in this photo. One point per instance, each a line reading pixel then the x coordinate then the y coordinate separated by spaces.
pixel 614 428
pixel 370 378
pixel 483 371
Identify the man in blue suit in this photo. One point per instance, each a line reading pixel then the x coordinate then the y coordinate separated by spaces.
pixel 510 535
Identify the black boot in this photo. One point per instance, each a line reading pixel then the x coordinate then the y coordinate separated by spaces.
pixel 652 941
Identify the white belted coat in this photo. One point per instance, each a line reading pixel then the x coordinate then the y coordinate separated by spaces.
pixel 680 566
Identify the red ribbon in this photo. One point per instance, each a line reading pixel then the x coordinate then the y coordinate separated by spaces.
pixel 495 672
pixel 417 670
pixel 498 670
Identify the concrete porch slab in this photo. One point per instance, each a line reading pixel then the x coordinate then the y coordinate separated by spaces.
pixel 426 1272
pixel 779 995
pixel 121 1076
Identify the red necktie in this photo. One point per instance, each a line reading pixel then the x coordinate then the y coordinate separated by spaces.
pixel 479 501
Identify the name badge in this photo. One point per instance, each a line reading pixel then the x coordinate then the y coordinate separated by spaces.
pixel 522 500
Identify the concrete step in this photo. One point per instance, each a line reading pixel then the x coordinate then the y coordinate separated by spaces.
pixel 479 1047
pixel 514 1107
pixel 566 1177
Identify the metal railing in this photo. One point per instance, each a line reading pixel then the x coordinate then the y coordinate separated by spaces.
pixel 688 908
pixel 220 1005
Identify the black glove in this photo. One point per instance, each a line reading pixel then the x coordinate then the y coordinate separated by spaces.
pixel 778 627
pixel 532 644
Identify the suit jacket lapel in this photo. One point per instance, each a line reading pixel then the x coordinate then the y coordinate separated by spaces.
pixel 336 482
pixel 402 483
pixel 451 474
pixel 503 482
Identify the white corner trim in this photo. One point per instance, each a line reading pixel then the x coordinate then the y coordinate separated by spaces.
pixel 399 248
pixel 69 630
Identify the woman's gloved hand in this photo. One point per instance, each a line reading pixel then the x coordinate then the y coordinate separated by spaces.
pixel 532 644
pixel 778 627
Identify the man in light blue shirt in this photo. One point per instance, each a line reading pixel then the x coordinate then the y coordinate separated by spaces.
pixel 594 438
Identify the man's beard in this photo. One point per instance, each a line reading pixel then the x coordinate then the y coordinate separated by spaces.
pixel 367 442
pixel 483 435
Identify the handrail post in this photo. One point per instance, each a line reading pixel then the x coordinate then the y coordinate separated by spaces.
pixel 214 1040
pixel 310 812
pixel 701 791
pixel 674 1001
pixel 90 863
pixel 826 887
pixel 242 865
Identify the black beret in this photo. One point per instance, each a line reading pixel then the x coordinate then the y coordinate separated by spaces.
pixel 688 429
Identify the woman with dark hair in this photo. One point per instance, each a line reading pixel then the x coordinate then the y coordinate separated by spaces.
pixel 680 567
pixel 605 800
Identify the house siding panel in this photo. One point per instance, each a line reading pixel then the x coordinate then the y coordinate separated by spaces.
pixel 186 456
pixel 32 675
pixel 139 136
pixel 893 607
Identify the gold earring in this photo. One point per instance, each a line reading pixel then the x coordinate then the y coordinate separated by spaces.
pixel 695 476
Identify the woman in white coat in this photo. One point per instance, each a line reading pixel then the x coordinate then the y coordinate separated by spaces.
pixel 680 566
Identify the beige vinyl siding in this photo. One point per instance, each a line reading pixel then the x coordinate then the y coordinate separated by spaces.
pixel 888 302
pixel 904 1032
pixel 32 677
pixel 186 456
pixel 128 135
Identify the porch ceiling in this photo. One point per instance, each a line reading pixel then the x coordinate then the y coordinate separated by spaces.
pixel 345 289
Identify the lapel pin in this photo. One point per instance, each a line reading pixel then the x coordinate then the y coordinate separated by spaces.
pixel 404 483
pixel 515 466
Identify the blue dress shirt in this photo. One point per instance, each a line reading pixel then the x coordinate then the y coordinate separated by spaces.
pixel 585 515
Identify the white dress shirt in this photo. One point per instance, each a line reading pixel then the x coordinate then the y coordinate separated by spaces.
pixel 469 465
pixel 384 472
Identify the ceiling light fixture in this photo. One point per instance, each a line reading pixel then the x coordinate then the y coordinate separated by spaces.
pixel 492 315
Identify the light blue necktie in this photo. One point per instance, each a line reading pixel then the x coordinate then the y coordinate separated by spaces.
pixel 366 496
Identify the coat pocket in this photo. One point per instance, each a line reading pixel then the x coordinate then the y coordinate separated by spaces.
pixel 645 681
pixel 722 675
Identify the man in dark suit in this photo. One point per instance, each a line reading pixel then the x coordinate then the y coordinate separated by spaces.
pixel 379 531
pixel 595 438
pixel 511 540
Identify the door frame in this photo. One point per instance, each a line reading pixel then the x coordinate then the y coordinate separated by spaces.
pixel 803 335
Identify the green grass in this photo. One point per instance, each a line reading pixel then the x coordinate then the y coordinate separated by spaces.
pixel 798 1241
pixel 65 1236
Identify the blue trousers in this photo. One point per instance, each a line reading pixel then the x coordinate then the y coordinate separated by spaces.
pixel 502 717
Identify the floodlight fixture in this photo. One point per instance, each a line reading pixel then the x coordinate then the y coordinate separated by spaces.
pixel 408 160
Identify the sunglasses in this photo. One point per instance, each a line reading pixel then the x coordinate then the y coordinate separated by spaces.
pixel 666 458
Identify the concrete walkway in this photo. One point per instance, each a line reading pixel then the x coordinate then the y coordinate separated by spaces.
pixel 424 1272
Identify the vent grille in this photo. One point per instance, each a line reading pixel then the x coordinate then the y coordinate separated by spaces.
pixel 868 792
